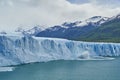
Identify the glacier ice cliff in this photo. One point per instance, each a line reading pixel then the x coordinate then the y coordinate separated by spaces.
pixel 26 49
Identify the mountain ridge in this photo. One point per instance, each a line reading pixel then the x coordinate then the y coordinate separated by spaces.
pixel 108 32
pixel 71 30
pixel 96 28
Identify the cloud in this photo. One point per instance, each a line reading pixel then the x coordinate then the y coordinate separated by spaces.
pixel 79 1
pixel 109 3
pixel 28 13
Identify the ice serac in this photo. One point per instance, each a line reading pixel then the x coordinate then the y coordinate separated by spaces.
pixel 25 49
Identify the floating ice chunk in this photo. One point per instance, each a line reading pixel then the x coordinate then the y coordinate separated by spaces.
pixel 5 69
pixel 85 55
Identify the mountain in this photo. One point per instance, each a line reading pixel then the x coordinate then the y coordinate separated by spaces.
pixel 71 30
pixel 35 30
pixel 107 32
pixel 96 28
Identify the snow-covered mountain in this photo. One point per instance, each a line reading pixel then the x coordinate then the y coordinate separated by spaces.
pixel 107 32
pixel 35 30
pixel 95 21
pixel 71 30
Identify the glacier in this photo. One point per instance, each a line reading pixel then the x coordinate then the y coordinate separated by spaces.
pixel 19 49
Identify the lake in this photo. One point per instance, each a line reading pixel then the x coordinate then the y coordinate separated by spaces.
pixel 66 70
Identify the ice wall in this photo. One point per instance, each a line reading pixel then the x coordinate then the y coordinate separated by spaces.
pixel 20 49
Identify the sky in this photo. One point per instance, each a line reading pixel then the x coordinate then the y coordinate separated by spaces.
pixel 46 13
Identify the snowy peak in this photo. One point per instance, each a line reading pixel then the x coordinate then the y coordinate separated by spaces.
pixel 97 20
pixel 33 31
pixel 94 19
pixel 74 24
pixel 115 17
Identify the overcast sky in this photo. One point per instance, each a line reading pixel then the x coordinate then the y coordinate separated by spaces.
pixel 28 13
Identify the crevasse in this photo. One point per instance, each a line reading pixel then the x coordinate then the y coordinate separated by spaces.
pixel 24 49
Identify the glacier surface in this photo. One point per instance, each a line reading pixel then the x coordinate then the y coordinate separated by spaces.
pixel 20 49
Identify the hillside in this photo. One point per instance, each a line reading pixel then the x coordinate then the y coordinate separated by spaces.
pixel 108 32
pixel 72 30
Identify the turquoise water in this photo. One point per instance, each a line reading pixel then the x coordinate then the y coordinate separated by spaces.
pixel 66 70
